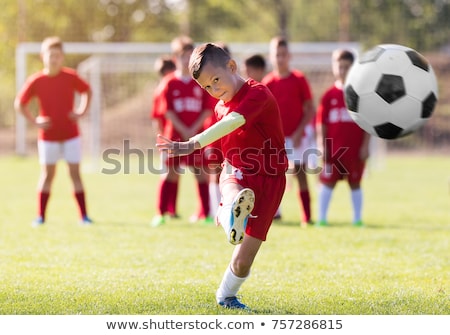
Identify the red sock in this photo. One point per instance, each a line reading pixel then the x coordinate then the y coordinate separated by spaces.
pixel 81 203
pixel 306 203
pixel 203 192
pixel 164 196
pixel 172 201
pixel 42 203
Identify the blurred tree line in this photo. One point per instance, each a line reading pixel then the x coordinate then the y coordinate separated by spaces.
pixel 421 24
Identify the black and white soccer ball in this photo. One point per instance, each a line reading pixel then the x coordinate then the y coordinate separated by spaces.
pixel 391 91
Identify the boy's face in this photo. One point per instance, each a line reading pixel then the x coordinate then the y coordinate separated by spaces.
pixel 221 83
pixel 341 68
pixel 280 58
pixel 183 59
pixel 254 73
pixel 53 59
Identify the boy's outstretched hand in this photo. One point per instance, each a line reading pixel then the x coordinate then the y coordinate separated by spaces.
pixel 174 148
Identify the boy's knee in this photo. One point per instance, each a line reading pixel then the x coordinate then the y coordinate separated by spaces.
pixel 241 267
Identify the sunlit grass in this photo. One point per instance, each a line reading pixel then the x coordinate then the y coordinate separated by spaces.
pixel 399 263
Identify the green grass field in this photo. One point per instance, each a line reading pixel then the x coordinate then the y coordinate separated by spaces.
pixel 399 263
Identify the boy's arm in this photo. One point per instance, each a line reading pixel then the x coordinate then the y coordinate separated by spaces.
pixel 179 126
pixel 364 150
pixel 83 107
pixel 218 130
pixel 308 115
pixel 199 122
pixel 321 139
pixel 43 122
pixel 23 109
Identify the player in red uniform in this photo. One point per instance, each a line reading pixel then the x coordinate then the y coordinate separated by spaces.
pixel 345 145
pixel 55 87
pixel 164 65
pixel 253 177
pixel 255 67
pixel 293 93
pixel 186 108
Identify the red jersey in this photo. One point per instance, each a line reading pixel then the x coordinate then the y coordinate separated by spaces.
pixel 56 96
pixel 291 93
pixel 186 99
pixel 340 127
pixel 157 110
pixel 257 147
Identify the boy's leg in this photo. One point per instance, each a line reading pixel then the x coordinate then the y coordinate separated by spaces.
pixel 79 194
pixel 48 157
pixel 237 272
pixel 214 194
pixel 44 187
pixel 304 195
pixel 203 194
pixel 71 150
pixel 168 185
pixel 325 193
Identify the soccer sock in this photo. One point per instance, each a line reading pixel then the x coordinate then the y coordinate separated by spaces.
pixel 278 212
pixel 203 192
pixel 214 198
pixel 306 203
pixel 42 203
pixel 229 286
pixel 357 199
pixel 163 196
pixel 172 198
pixel 325 194
pixel 81 203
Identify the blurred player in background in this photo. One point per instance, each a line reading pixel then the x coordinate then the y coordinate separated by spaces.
pixel 293 93
pixel 345 146
pixel 55 87
pixel 164 66
pixel 255 67
pixel 186 108
pixel 253 177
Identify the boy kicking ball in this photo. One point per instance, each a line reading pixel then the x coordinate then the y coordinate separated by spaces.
pixel 252 141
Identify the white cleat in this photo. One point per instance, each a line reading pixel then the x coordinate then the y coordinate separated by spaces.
pixel 233 217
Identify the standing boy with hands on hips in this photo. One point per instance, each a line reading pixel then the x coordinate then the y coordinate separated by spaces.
pixel 55 87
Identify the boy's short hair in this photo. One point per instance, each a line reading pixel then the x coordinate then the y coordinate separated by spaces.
pixel 207 53
pixel 343 54
pixel 51 42
pixel 181 44
pixel 256 61
pixel 279 41
pixel 164 64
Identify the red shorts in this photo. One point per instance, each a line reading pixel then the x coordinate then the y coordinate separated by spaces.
pixel 350 169
pixel 269 192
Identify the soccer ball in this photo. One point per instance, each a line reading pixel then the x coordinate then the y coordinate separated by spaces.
pixel 391 91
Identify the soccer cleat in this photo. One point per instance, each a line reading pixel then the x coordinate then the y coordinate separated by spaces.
pixel 39 221
pixel 233 303
pixel 358 223
pixel 86 220
pixel 321 223
pixel 235 221
pixel 158 220
pixel 208 221
pixel 305 224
